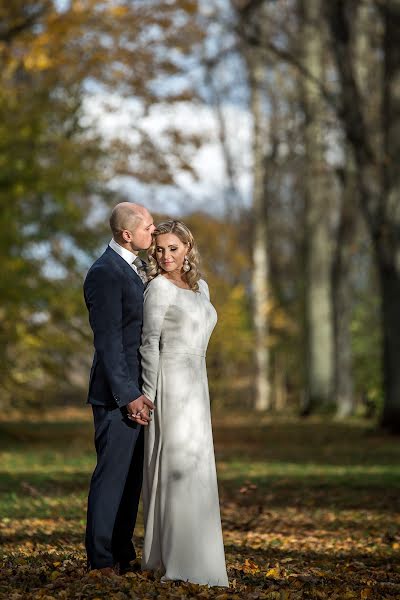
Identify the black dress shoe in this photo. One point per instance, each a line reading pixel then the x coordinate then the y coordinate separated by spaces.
pixel 129 567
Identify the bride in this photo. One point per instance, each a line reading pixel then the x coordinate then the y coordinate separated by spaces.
pixel 183 536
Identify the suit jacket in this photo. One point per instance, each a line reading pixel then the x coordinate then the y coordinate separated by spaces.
pixel 114 298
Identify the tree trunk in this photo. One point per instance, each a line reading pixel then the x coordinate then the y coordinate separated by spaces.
pixel 347 233
pixel 390 282
pixel 279 387
pixel 378 176
pixel 319 312
pixel 388 243
pixel 342 293
pixel 260 241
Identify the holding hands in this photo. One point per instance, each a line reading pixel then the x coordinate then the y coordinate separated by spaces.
pixel 140 410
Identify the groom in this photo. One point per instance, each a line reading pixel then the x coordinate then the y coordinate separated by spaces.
pixel 113 292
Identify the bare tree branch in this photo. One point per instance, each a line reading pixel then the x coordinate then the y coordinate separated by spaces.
pixel 7 35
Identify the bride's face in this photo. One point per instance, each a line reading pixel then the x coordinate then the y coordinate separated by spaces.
pixel 170 252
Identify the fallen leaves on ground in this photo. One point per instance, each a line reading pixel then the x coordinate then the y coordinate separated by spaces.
pixel 286 538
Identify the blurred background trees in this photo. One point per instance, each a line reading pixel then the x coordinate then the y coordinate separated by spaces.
pixel 295 103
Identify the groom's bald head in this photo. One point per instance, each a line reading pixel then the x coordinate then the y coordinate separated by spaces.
pixel 132 225
pixel 126 215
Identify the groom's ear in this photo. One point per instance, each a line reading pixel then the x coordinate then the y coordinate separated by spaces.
pixel 126 235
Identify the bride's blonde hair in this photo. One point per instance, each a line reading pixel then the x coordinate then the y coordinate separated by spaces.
pixel 185 235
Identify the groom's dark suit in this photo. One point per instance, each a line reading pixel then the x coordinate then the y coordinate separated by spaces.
pixel 114 298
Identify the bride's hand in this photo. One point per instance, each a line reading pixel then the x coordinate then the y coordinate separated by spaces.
pixel 139 410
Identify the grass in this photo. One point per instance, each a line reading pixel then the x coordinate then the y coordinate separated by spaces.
pixel 310 509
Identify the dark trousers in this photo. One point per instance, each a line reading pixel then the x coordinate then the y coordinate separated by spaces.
pixel 114 488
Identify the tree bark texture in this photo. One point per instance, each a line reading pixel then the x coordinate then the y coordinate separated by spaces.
pixel 260 242
pixel 342 291
pixel 377 159
pixel 319 311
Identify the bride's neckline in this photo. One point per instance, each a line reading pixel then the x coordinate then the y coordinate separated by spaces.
pixel 175 285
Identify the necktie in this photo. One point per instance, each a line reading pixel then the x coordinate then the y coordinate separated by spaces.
pixel 141 269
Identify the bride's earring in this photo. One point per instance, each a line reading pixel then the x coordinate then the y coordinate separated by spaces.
pixel 186 265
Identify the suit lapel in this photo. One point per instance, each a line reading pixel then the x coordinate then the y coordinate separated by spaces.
pixel 123 265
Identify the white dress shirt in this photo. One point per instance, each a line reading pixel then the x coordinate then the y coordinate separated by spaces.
pixel 127 255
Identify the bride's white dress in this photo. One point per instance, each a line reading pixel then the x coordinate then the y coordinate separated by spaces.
pixel 183 536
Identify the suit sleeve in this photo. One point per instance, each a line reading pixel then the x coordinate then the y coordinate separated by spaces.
pixel 157 299
pixel 103 295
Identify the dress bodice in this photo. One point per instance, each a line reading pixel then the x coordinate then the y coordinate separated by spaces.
pixel 175 320
pixel 189 319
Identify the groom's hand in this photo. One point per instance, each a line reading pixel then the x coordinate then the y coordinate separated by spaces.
pixel 139 410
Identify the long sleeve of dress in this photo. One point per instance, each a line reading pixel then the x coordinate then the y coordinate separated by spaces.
pixel 157 298
pixel 203 285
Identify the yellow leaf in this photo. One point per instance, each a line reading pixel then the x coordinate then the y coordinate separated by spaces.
pixel 119 11
pixel 275 572
pixel 250 567
pixel 37 62
pixel 54 575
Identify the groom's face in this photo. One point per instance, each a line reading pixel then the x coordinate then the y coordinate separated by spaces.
pixel 140 238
